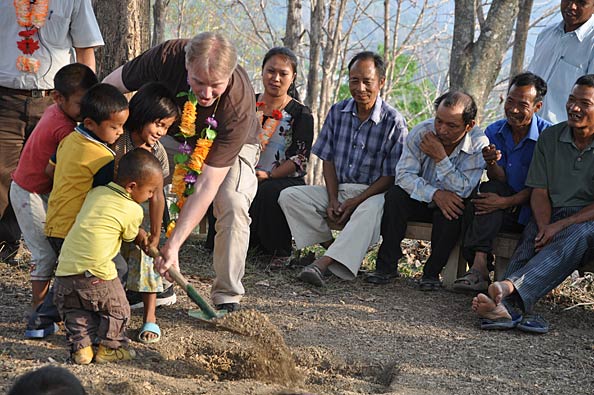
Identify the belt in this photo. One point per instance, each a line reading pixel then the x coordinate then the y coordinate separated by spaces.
pixel 34 93
pixel 75 276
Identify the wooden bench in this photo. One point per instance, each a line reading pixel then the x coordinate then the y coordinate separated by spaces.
pixel 456 265
pixel 503 248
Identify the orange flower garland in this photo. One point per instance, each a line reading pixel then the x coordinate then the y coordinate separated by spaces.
pixel 188 163
pixel 269 125
pixel 30 14
pixel 187 125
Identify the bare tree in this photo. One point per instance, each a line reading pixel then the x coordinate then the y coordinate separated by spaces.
pixel 317 15
pixel 293 27
pixel 126 24
pixel 159 9
pixel 181 7
pixel 520 37
pixel 313 81
pixel 475 64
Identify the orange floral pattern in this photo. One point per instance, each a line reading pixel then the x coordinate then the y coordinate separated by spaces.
pixel 187 125
pixel 31 15
pixel 199 155
pixel 268 126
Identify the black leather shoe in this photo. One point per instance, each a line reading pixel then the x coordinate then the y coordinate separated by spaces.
pixel 9 251
pixel 230 307
pixel 381 278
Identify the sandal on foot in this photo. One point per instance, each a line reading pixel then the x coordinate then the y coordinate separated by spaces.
pixel 312 274
pixel 501 323
pixel 304 260
pixel 533 323
pixel 41 333
pixel 279 262
pixel 429 284
pixel 149 327
pixel 472 280
pixel 381 278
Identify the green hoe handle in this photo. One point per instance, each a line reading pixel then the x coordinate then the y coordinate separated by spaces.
pixel 189 289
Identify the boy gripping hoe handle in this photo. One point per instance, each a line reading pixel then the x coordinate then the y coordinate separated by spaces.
pixel 207 313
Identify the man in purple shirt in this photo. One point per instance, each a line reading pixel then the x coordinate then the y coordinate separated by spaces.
pixel 503 202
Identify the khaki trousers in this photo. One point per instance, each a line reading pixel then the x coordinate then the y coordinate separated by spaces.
pixel 18 116
pixel 231 208
pixel 305 210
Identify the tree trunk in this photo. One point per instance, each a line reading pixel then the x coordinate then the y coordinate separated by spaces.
pixel 522 26
pixel 125 27
pixel 474 65
pixel 159 21
pixel 293 28
pixel 313 80
pixel 181 14
pixel 387 48
pixel 331 53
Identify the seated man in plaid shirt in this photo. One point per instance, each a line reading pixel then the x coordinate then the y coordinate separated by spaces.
pixel 360 144
pixel 441 164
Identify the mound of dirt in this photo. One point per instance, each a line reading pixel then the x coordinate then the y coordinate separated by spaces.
pixel 266 356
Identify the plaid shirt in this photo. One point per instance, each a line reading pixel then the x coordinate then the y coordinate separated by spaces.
pixel 361 151
pixel 460 172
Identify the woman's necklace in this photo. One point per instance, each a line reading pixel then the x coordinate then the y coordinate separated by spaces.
pixel 271 123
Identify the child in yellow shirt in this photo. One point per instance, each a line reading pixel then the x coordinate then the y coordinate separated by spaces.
pixel 89 296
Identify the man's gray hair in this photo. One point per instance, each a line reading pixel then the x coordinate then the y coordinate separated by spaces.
pixel 212 52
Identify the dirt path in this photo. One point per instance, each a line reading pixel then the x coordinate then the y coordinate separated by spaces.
pixel 347 338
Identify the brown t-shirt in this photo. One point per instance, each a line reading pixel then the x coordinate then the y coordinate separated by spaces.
pixel 237 123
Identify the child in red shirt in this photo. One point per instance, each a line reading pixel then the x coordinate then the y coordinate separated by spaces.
pixel 31 186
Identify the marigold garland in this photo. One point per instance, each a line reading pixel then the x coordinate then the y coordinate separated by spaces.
pixel 188 163
pixel 31 15
pixel 268 126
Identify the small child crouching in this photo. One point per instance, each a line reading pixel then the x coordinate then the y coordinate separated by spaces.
pixel 89 296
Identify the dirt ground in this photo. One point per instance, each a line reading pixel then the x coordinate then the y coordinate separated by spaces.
pixel 348 338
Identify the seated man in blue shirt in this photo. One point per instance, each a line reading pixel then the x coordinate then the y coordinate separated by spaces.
pixel 440 166
pixel 503 201
pixel 560 235
pixel 360 143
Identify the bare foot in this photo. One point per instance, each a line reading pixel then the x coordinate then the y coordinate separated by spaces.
pixel 485 307
pixel 499 290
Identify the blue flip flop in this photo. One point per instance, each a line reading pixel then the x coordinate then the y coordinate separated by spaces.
pixel 149 327
pixel 502 323
pixel 533 323
pixel 41 333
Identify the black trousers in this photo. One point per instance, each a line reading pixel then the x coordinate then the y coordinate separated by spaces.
pixel 481 230
pixel 399 208
pixel 269 230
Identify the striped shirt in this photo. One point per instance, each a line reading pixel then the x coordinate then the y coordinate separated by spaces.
pixel 362 151
pixel 460 172
pixel 124 144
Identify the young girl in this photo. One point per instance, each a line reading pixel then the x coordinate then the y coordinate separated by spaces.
pixel 153 110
